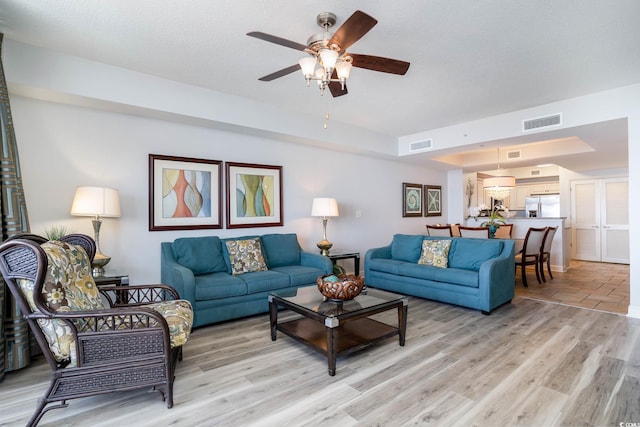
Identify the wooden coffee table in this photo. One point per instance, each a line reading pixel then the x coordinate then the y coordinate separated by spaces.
pixel 333 328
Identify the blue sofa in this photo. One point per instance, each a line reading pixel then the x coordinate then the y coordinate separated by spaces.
pixel 480 273
pixel 200 269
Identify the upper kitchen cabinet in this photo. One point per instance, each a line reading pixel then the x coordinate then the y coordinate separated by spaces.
pixel 544 188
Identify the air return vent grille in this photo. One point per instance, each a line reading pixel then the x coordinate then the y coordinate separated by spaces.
pixel 535 172
pixel 514 154
pixel 421 145
pixel 541 122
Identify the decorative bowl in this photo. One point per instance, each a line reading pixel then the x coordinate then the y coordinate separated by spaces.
pixel 341 287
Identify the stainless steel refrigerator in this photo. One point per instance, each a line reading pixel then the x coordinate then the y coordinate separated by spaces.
pixel 547 206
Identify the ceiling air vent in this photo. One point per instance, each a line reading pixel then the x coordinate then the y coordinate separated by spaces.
pixel 421 145
pixel 541 122
pixel 514 154
pixel 535 172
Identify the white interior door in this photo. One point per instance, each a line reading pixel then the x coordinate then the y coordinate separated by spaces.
pixel 585 214
pixel 615 220
pixel 600 220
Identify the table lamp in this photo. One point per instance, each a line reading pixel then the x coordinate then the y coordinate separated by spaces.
pixel 324 207
pixel 97 202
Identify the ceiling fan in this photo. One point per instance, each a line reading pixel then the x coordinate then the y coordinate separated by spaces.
pixel 329 63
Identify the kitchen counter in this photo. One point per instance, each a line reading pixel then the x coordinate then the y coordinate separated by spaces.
pixel 560 248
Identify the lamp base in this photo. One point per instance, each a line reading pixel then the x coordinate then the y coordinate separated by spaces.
pixel 99 261
pixel 324 246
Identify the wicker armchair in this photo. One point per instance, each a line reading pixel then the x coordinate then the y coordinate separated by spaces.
pixel 95 340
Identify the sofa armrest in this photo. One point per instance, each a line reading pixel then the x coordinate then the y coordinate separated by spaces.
pixel 175 275
pixel 497 277
pixel 383 252
pixel 309 259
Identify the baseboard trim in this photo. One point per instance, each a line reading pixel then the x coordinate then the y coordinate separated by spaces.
pixel 634 311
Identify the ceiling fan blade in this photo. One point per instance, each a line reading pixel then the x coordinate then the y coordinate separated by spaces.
pixel 378 63
pixel 280 73
pixel 277 40
pixel 336 89
pixel 352 30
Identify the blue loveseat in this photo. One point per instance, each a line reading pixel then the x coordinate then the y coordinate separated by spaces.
pixel 479 273
pixel 201 269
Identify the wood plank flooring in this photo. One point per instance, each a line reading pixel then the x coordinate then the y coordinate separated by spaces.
pixel 529 363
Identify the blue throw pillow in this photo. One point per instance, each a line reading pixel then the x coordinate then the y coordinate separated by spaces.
pixel 281 250
pixel 469 254
pixel 406 247
pixel 201 255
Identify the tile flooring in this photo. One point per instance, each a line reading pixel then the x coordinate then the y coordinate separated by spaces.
pixel 595 285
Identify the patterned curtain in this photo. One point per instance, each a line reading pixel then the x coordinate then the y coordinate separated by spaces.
pixel 14 332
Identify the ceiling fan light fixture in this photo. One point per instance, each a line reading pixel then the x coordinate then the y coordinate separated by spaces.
pixel 343 69
pixel 308 66
pixel 328 58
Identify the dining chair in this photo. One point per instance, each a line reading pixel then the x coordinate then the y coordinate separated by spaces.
pixel 474 232
pixel 530 253
pixel 439 230
pixel 545 254
pixel 504 231
pixel 455 230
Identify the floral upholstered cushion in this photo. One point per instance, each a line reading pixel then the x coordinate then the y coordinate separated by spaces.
pixel 179 317
pixel 435 253
pixel 245 255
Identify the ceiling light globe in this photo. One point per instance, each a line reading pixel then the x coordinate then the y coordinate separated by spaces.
pixel 343 69
pixel 328 58
pixel 307 65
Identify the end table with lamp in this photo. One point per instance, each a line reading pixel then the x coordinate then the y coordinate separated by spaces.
pixel 97 202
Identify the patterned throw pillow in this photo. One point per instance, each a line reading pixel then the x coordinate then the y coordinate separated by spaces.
pixel 435 253
pixel 245 256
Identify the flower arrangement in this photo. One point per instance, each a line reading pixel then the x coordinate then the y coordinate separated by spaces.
pixel 496 216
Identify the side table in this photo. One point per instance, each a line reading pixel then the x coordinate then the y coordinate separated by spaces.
pixel 107 282
pixel 344 254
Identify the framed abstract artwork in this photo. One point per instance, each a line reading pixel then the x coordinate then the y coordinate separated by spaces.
pixel 254 195
pixel 411 200
pixel 433 200
pixel 184 193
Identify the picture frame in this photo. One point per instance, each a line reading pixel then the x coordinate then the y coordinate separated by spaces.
pixel 184 193
pixel 411 200
pixel 254 195
pixel 433 200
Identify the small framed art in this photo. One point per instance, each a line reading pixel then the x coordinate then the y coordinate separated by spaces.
pixel 433 200
pixel 254 195
pixel 184 193
pixel 411 200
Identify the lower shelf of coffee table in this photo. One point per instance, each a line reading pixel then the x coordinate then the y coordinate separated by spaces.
pixel 352 335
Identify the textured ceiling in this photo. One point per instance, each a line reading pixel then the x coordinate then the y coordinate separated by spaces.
pixel 469 59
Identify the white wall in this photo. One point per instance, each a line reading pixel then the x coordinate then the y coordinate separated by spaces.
pixel 62 147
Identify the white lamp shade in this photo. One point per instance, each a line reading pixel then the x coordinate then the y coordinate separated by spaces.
pixel 328 58
pixel 324 206
pixel 308 66
pixel 96 201
pixel 343 68
pixel 499 182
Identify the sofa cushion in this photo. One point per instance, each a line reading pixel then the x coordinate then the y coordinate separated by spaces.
pixel 281 249
pixel 457 276
pixel 419 271
pixel 268 280
pixel 245 255
pixel 406 248
pixel 390 266
pixel 469 254
pixel 300 274
pixel 201 255
pixel 218 285
pixel 435 253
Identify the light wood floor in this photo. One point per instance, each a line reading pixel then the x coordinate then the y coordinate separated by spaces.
pixel 529 363
pixel 596 285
